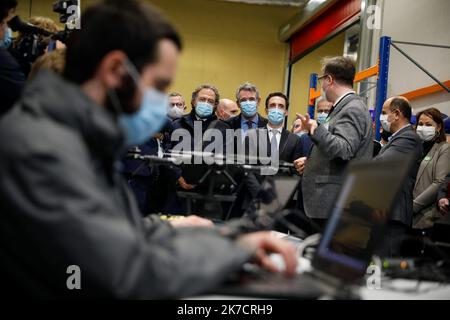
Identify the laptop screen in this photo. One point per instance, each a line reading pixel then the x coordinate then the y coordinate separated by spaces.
pixel 361 210
pixel 282 189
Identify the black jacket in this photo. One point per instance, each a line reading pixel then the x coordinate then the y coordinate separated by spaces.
pixel 290 148
pixel 405 141
pixel 62 204
pixel 188 122
pixel 11 81
pixel 235 123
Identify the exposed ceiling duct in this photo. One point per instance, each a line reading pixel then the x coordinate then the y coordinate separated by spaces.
pixel 305 11
pixel 305 14
pixel 293 3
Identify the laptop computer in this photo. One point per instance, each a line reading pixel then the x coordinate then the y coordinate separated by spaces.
pixel 355 227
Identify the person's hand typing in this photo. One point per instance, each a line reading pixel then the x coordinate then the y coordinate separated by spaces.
pixel 264 243
pixel 184 184
pixel 191 221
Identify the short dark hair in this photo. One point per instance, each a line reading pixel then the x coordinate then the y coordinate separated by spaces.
pixel 342 69
pixel 277 94
pixel 129 26
pixel 5 7
pixel 436 115
pixel 403 105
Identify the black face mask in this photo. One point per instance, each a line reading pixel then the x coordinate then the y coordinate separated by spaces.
pixel 125 94
pixel 385 135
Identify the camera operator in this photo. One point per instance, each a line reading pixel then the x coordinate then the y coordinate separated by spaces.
pixel 12 78
pixel 31 44
pixel 54 60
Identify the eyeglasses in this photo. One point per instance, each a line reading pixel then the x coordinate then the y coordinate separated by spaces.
pixel 177 104
pixel 320 78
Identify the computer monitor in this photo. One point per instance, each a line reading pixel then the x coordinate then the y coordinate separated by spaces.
pixel 361 211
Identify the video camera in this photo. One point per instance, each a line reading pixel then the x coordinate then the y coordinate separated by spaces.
pixel 35 40
pixel 30 46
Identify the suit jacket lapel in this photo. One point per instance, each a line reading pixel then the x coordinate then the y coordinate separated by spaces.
pixel 269 143
pixel 261 123
pixel 283 141
pixel 430 154
pixel 342 103
pixel 190 121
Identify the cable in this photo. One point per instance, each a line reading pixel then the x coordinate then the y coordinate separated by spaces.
pixel 312 240
pixel 438 272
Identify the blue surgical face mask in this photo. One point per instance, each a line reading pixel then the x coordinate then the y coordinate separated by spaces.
pixel 140 126
pixel 322 117
pixel 7 39
pixel 276 116
pixel 249 108
pixel 204 109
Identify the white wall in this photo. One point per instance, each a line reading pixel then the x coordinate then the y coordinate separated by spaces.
pixel 425 21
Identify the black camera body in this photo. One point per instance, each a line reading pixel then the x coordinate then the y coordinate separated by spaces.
pixel 34 40
pixel 30 47
pixel 31 44
pixel 62 7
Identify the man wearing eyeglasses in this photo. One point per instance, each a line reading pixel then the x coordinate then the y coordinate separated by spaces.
pixel 345 135
pixel 177 106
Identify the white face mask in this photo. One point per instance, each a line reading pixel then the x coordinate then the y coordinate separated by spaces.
pixel 385 123
pixel 426 133
pixel 175 112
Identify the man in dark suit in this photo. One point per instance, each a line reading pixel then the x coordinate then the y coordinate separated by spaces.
pixel 205 99
pixel 248 100
pixel 395 118
pixel 346 135
pixel 194 126
pixel 287 144
pixel 272 141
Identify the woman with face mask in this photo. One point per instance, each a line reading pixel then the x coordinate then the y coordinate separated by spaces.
pixel 434 167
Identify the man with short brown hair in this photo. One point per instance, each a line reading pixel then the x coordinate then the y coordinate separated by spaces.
pixel 346 135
